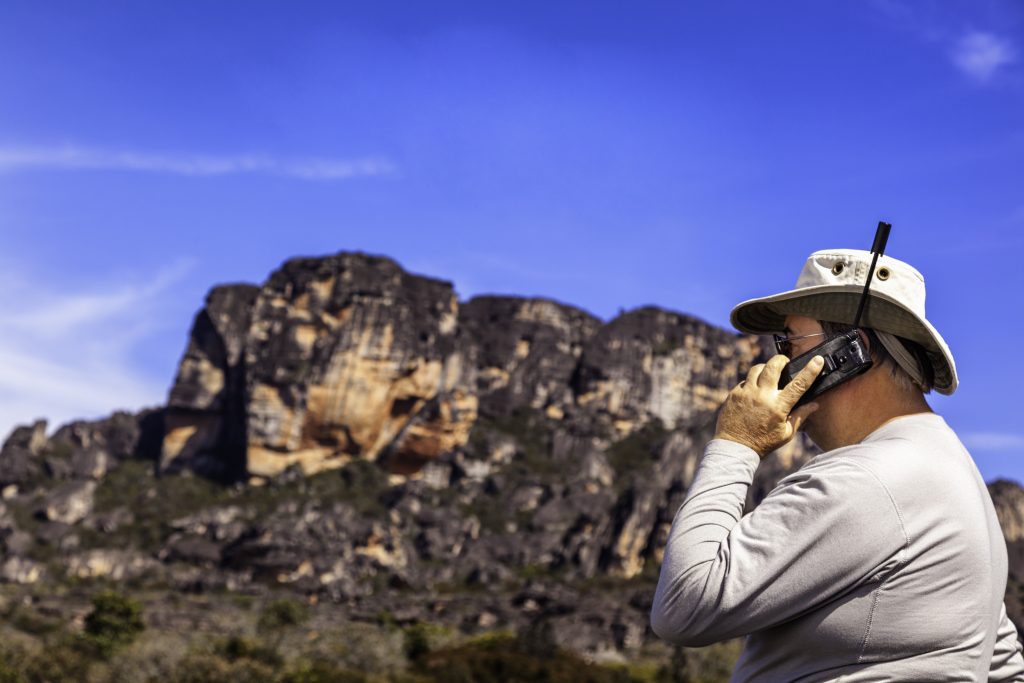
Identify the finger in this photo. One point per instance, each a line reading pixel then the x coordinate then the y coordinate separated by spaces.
pixel 801 383
pixel 797 417
pixel 769 378
pixel 754 373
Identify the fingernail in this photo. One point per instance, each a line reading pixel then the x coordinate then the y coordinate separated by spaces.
pixel 818 360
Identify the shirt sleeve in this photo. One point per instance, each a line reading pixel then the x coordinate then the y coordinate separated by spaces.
pixel 825 529
pixel 1007 662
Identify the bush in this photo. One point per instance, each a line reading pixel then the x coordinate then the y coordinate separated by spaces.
pixel 512 661
pixel 115 620
pixel 238 648
pixel 61 662
pixel 12 663
pixel 281 614
pixel 209 668
pixel 151 658
pixel 322 672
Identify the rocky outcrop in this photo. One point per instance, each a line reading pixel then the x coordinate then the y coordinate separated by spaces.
pixel 69 503
pixel 205 417
pixel 652 364
pixel 522 353
pixel 331 359
pixel 20 460
pixel 1008 498
pixel 350 357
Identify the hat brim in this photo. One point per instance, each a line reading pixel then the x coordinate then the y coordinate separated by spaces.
pixel 838 303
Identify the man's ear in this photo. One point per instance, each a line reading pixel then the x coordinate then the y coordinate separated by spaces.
pixel 865 338
pixel 868 338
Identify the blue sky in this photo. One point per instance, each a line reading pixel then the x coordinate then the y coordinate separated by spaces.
pixel 609 155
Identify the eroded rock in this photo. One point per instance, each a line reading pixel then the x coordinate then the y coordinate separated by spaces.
pixel 69 503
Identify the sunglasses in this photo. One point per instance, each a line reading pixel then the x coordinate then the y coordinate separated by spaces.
pixel 784 345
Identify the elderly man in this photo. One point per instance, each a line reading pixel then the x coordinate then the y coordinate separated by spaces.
pixel 881 559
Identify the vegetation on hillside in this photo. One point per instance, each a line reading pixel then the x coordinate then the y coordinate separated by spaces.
pixel 281 641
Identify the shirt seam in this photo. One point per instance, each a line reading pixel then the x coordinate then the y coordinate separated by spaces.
pixel 901 563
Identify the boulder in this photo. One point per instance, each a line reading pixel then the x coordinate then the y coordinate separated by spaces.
pixel 115 565
pixel 69 503
pixel 21 570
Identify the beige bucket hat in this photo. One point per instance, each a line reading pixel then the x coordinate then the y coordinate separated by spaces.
pixel 829 288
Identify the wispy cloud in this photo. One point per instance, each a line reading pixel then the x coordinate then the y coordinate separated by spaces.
pixel 994 441
pixel 70 355
pixel 980 54
pixel 72 157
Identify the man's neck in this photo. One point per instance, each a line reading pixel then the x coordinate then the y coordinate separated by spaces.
pixel 872 400
pixel 876 419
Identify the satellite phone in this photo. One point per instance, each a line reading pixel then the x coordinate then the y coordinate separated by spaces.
pixel 844 354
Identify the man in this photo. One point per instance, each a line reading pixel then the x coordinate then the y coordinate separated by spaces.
pixel 881 559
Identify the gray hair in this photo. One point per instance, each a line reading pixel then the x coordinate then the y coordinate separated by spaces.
pixel 908 364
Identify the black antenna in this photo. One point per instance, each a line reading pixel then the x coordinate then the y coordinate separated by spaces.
pixel 881 237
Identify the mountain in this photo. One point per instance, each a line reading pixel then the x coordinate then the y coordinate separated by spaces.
pixel 356 435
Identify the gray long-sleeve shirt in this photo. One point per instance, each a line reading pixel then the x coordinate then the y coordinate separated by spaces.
pixel 880 561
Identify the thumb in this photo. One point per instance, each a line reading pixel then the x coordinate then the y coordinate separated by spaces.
pixel 802 382
pixel 797 417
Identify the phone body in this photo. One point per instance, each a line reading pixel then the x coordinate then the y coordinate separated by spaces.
pixel 845 357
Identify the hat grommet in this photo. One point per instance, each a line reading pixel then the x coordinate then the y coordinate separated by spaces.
pixel 883 273
pixel 838 268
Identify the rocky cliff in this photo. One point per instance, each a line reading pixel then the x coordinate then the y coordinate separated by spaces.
pixel 349 357
pixel 355 434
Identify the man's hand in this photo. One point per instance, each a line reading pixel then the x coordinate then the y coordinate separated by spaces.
pixel 757 413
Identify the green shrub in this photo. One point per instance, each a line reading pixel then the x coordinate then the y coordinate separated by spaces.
pixel 320 671
pixel 281 614
pixel 421 638
pixel 64 661
pixel 115 620
pixel 12 664
pixel 512 661
pixel 152 658
pixel 416 643
pixel 210 668
pixel 238 648
pixel 277 616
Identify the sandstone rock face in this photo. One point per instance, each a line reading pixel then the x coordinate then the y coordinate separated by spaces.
pixel 331 359
pixel 522 353
pixel 349 356
pixel 653 364
pixel 206 407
